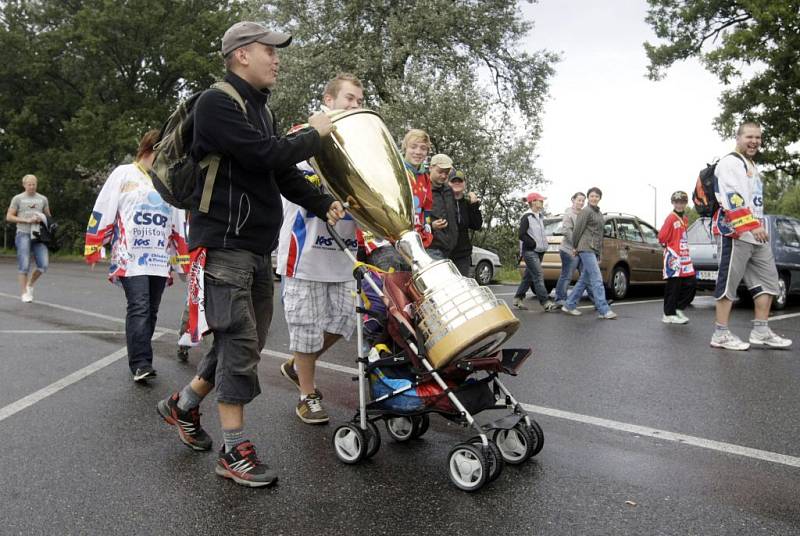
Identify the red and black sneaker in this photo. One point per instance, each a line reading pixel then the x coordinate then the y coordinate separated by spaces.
pixel 188 423
pixel 243 467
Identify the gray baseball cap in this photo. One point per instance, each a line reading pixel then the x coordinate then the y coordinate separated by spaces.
pixel 244 33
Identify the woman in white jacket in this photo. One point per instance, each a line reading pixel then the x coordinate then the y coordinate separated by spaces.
pixel 147 241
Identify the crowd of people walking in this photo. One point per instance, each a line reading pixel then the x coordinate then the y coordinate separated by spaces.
pixel 266 194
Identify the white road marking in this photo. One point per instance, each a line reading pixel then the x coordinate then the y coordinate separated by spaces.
pixel 66 381
pixel 70 309
pixel 719 446
pixel 709 444
pixel 615 304
pixel 729 448
pixel 61 332
pixel 784 317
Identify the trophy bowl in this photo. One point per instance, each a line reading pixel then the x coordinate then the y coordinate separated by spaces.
pixel 361 166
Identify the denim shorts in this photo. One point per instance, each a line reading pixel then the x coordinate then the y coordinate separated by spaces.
pixel 25 247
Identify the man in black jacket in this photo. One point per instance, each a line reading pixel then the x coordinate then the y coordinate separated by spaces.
pixel 444 219
pixel 469 218
pixel 236 237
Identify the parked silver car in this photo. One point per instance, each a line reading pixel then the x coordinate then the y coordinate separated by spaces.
pixel 484 264
pixel 784 238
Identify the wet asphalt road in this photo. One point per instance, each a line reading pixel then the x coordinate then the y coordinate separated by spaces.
pixel 94 457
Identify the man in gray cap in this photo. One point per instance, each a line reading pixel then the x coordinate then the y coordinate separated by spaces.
pixel 236 236
pixel 444 214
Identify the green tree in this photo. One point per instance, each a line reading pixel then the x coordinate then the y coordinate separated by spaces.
pixel 789 203
pixel 81 81
pixel 753 47
pixel 453 69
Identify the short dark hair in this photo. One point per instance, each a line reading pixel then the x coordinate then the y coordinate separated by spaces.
pixel 576 194
pixel 596 190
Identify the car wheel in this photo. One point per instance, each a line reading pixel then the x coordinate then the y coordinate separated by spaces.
pixel 619 283
pixel 484 273
pixel 783 292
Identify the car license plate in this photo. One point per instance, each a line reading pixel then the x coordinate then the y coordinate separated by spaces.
pixel 707 275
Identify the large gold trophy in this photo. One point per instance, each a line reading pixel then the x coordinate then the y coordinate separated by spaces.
pixel 361 166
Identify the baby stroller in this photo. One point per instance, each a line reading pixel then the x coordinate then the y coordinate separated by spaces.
pixel 398 385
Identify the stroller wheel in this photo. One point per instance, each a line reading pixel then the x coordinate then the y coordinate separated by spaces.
pixel 517 444
pixel 422 422
pixel 373 440
pixel 494 458
pixel 467 467
pixel 349 443
pixel 402 429
pixel 538 437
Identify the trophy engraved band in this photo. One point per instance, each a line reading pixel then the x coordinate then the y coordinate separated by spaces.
pixel 361 166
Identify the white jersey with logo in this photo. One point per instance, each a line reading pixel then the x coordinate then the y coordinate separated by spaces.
pixel 147 235
pixel 305 248
pixel 740 195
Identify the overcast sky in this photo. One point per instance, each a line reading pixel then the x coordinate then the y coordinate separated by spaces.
pixel 606 124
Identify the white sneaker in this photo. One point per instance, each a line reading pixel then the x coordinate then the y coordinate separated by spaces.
pixel 770 338
pixel 573 312
pixel 680 314
pixel 26 297
pixel 29 290
pixel 549 306
pixel 610 315
pixel 728 341
pixel 674 319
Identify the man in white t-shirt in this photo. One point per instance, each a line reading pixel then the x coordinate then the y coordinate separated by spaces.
pixel 746 253
pixel 29 210
pixel 317 283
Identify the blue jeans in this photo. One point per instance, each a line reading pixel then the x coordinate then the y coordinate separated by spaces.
pixel 143 293
pixel 590 280
pixel 533 277
pixel 568 265
pixel 24 247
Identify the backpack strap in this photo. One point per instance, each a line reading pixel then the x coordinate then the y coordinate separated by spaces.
pixel 211 161
pixel 740 157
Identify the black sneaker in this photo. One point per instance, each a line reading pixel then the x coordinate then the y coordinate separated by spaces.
pixel 183 353
pixel 288 372
pixel 188 423
pixel 144 373
pixel 243 467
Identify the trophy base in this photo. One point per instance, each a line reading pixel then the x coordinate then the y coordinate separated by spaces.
pixel 477 336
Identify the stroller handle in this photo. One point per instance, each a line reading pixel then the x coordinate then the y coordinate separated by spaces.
pixel 340 242
pixel 360 271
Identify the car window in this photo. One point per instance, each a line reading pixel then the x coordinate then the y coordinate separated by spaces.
pixel 553 227
pixel 626 230
pixel 650 235
pixel 608 229
pixel 787 233
pixel 699 232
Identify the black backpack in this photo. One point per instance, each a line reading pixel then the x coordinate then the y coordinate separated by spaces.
pixel 174 172
pixel 704 197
